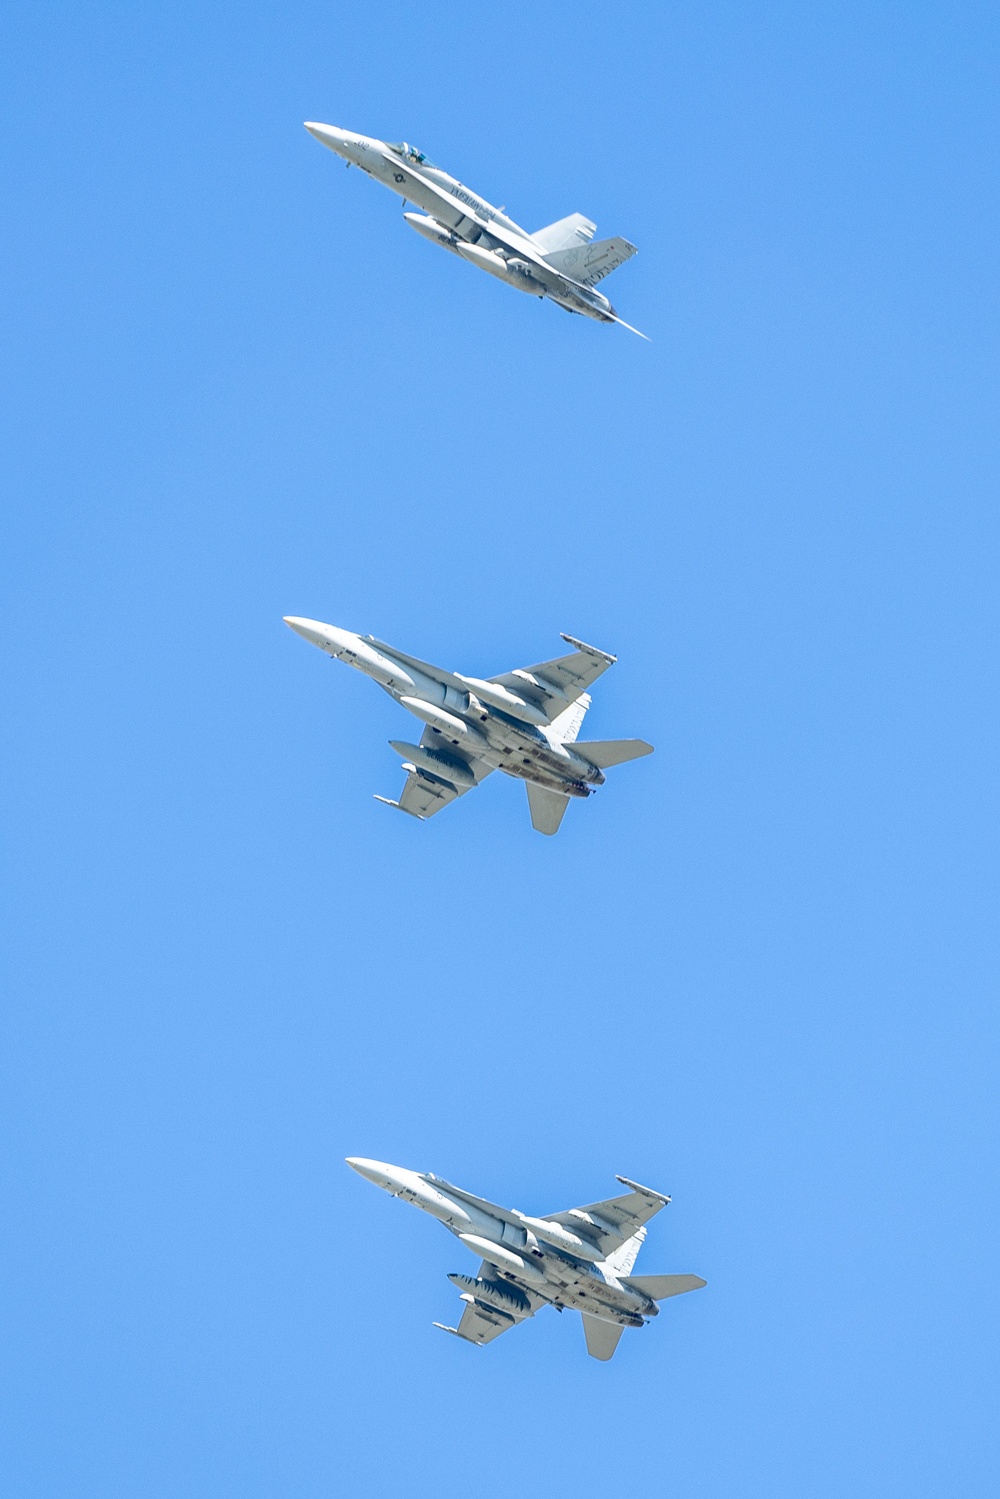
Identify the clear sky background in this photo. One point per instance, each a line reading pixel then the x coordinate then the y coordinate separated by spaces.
pixel 758 971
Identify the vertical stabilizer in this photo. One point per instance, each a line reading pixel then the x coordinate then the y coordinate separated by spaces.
pixel 570 721
pixel 624 1257
pixel 591 263
pixel 564 234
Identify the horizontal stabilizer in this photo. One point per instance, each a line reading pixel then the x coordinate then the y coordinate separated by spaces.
pixel 659 1287
pixel 602 1337
pixel 546 807
pixel 574 230
pixel 589 264
pixel 605 752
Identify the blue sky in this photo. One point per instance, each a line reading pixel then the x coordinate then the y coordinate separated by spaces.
pixel 758 971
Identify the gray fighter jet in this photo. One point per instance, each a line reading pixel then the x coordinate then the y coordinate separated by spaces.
pixel 562 261
pixel 524 722
pixel 581 1259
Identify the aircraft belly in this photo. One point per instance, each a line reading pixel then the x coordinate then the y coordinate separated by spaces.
pixel 529 759
pixel 567 1287
pixel 525 769
pixel 578 1300
pixel 532 759
pixel 588 1292
pixel 605 1307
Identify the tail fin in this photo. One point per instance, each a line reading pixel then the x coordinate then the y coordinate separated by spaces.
pixel 621 1262
pixel 591 263
pixel 606 752
pixel 565 233
pixel 570 721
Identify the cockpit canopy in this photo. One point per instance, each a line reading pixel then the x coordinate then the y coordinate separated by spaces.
pixel 410 153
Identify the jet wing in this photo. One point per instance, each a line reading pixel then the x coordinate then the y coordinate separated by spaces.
pixel 563 679
pixel 425 792
pixel 423 795
pixel 619 1217
pixel 616 1219
pixel 481 1323
pixel 569 675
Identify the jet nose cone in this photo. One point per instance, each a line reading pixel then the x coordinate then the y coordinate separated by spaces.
pixel 328 637
pixel 309 629
pixel 300 626
pixel 327 135
pixel 374 1171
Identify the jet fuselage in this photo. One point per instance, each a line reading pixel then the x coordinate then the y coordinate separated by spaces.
pixel 463 222
pixel 518 1254
pixel 461 715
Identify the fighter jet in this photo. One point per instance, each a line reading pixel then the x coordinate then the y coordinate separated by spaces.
pixel 524 722
pixel 563 261
pixel 581 1259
